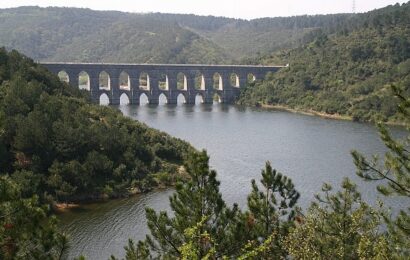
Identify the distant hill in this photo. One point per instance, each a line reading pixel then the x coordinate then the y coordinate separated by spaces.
pixel 68 34
pixel 346 69
pixel 72 34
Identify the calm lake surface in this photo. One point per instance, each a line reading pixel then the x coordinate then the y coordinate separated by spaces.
pixel 310 150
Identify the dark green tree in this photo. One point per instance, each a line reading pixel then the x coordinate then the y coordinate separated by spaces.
pixel 394 175
pixel 26 230
pixel 132 252
pixel 271 210
pixel 194 200
pixel 338 226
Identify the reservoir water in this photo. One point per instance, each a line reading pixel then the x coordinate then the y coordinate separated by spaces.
pixel 310 150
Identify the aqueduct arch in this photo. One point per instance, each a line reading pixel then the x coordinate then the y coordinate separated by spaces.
pixel 145 82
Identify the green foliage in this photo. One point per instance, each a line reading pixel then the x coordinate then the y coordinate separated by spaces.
pixel 194 200
pixel 54 142
pixel 191 249
pixel 394 174
pixel 345 70
pixel 203 227
pixel 338 226
pixel 140 252
pixel 26 231
pixel 72 34
pixel 271 210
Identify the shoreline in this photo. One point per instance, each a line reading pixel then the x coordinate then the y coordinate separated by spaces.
pixel 308 112
pixel 62 207
pixel 321 114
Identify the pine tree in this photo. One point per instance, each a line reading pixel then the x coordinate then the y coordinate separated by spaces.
pixel 396 173
pixel 193 201
pixel 272 209
pixel 26 232
pixel 338 226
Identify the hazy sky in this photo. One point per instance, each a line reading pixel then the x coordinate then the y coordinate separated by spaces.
pixel 231 8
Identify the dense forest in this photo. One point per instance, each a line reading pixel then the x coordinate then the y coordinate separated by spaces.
pixel 71 34
pixel 55 144
pixel 346 69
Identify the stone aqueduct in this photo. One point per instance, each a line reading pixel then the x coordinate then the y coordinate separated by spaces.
pixel 153 80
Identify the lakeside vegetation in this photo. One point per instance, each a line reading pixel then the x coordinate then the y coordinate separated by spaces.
pixel 56 144
pixel 348 71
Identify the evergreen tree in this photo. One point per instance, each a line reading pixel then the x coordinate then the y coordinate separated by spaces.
pixel 394 175
pixel 338 226
pixel 272 209
pixel 203 227
pixel 193 201
pixel 26 231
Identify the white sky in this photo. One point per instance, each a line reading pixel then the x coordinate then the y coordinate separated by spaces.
pixel 247 9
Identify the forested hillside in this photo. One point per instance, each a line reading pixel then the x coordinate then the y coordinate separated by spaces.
pixel 346 69
pixel 55 144
pixel 71 34
pixel 243 39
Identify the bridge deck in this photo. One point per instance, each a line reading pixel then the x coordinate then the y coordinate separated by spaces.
pixel 162 65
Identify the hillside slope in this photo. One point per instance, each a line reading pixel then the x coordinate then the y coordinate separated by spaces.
pixel 244 39
pixel 71 34
pixel 349 71
pixel 57 145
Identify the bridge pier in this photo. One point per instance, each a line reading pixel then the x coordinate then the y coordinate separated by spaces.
pixel 135 94
pixel 115 89
pixel 73 78
pixel 191 92
pixel 153 99
pixel 94 86
pixel 209 89
pixel 172 89
pixel 243 80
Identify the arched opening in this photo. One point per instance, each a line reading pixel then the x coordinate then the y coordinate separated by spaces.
pixel 124 99
pixel 251 78
pixel 63 76
pixel 104 100
pixel 217 98
pixel 162 99
pixel 144 81
pixel 104 81
pixel 143 99
pixel 84 80
pixel 199 99
pixel 199 81
pixel 181 99
pixel 218 81
pixel 163 82
pixel 234 79
pixel 182 83
pixel 125 81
